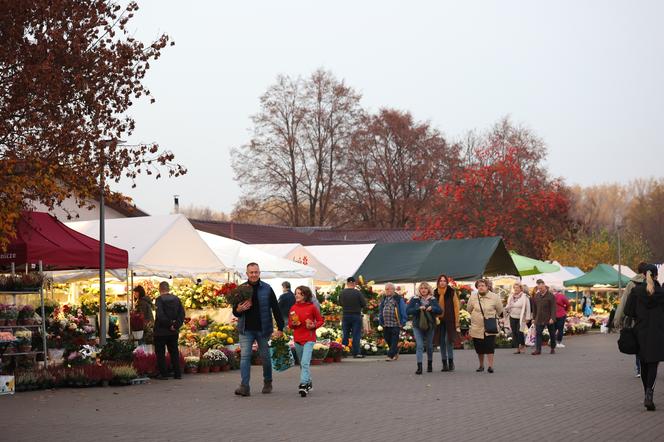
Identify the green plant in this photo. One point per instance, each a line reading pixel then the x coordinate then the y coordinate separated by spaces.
pixel 191 361
pixel 116 350
pixel 117 307
pixel 203 362
pixel 89 304
pixel 123 374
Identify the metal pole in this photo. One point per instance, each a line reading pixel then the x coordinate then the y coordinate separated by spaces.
pixel 43 315
pixel 619 262
pixel 102 263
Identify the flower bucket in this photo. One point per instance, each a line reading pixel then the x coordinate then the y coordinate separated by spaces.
pixel 328 360
pixel 55 355
pixel 137 334
pixel 123 323
pixel 316 362
pixel 203 370
pixel 190 370
pixel 215 369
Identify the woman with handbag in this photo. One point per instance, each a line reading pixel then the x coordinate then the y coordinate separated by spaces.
pixel 646 306
pixel 518 308
pixel 484 308
pixel 424 307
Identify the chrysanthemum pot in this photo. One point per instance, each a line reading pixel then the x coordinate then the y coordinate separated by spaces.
pixel 203 370
pixel 215 369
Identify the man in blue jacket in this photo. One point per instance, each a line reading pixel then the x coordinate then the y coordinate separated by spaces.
pixel 392 316
pixel 255 325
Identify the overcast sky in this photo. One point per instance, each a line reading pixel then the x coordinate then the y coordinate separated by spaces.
pixel 586 76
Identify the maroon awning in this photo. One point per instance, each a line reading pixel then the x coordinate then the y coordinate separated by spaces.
pixel 41 237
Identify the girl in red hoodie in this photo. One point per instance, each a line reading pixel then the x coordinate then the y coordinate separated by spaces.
pixel 304 318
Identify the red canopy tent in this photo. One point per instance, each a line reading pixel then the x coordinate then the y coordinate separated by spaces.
pixel 41 237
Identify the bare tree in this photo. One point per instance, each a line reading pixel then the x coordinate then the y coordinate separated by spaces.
pixel 203 213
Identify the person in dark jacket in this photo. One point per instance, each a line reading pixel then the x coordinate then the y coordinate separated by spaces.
pixel 646 304
pixel 143 303
pixel 286 300
pixel 169 319
pixel 255 325
pixel 424 303
pixel 544 316
pixel 449 321
pixel 392 316
pixel 352 301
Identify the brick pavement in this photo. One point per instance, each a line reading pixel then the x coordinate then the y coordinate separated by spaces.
pixel 586 391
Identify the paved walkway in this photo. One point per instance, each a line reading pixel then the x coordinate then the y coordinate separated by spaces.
pixel 586 391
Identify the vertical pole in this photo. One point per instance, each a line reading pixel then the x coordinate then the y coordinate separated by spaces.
pixel 102 263
pixel 130 299
pixel 43 315
pixel 619 262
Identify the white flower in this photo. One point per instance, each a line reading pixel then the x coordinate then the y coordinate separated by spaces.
pixel 380 328
pixel 374 349
pixel 367 346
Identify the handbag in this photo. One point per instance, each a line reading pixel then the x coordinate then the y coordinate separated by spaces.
pixel 628 342
pixel 490 324
pixel 425 320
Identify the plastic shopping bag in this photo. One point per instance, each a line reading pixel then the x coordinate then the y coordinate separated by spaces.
pixel 530 337
pixel 281 355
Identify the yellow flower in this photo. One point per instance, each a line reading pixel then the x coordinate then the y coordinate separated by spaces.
pixel 229 340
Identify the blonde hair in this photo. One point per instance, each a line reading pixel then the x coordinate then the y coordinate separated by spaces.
pixel 426 286
pixel 517 284
pixel 650 283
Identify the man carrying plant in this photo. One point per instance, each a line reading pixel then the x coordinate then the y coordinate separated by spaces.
pixel 169 319
pixel 255 325
pixel 352 301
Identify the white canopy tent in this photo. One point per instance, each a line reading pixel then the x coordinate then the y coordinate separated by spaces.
pixel 343 259
pixel 553 280
pixel 238 254
pixel 300 254
pixel 167 246
pixel 625 270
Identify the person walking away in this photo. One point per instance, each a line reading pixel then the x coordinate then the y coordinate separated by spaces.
pixel 286 300
pixel 449 320
pixel 484 305
pixel 255 325
pixel 169 319
pixel 620 311
pixel 544 316
pixel 352 302
pixel 424 307
pixel 392 317
pixel 304 318
pixel 562 307
pixel 518 309
pixel 646 304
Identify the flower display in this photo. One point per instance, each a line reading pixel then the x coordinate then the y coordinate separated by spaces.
pixel 199 296
pixel 118 307
pixel 68 328
pixel 216 357
pixel 320 351
pixel 191 361
pixel 86 355
pixel 464 319
pixel 89 304
pixel 328 333
pixel 281 354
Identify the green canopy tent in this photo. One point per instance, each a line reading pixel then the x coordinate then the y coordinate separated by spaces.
pixel 462 259
pixel 529 266
pixel 603 274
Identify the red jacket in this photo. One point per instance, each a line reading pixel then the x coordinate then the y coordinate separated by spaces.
pixel 562 305
pixel 304 311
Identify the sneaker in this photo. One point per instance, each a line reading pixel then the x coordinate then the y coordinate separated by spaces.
pixel 359 356
pixel 310 387
pixel 559 345
pixel 638 374
pixel 302 389
pixel 490 369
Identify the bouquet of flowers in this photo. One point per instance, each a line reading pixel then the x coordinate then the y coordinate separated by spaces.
pixel 320 351
pixel 87 355
pixel 281 355
pixel 464 319
pixel 239 294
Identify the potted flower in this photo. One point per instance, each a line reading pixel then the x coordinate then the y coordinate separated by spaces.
pixel 123 374
pixel 26 316
pixel 10 314
pixel 120 310
pixel 137 322
pixel 191 364
pixel 232 362
pixel 216 358
pixel 24 338
pixel 319 353
pixel 336 351
pixel 90 307
pixel 204 365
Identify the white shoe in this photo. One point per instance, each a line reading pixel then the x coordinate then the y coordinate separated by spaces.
pixel 560 345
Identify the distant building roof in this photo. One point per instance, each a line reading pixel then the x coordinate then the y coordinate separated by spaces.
pixel 265 234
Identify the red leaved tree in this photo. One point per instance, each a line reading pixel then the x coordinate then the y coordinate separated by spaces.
pixel 499 195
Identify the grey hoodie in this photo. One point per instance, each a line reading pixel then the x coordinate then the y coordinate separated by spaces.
pixel 620 310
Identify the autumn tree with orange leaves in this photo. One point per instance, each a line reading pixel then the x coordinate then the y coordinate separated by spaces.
pixel 69 71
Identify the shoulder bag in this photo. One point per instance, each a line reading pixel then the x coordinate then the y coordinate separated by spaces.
pixel 628 342
pixel 490 324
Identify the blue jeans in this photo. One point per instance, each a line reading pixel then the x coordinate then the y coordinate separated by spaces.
pixel 352 324
pixel 446 347
pixel 420 336
pixel 540 331
pixel 247 340
pixel 560 329
pixel 391 335
pixel 304 355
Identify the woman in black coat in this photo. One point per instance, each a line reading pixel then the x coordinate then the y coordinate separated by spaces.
pixel 646 304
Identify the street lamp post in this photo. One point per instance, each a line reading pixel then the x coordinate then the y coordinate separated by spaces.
pixel 618 226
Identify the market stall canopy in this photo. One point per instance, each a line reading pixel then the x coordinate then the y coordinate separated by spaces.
pixel 166 246
pixel 41 237
pixel 237 255
pixel 625 270
pixel 462 259
pixel 530 266
pixel 344 259
pixel 554 280
pixel 603 274
pixel 575 271
pixel 299 254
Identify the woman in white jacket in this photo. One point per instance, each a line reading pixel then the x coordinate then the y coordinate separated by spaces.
pixel 518 307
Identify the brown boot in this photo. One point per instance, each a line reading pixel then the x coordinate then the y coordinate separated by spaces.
pixel 267 387
pixel 242 390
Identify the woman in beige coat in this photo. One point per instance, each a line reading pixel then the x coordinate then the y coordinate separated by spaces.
pixel 491 307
